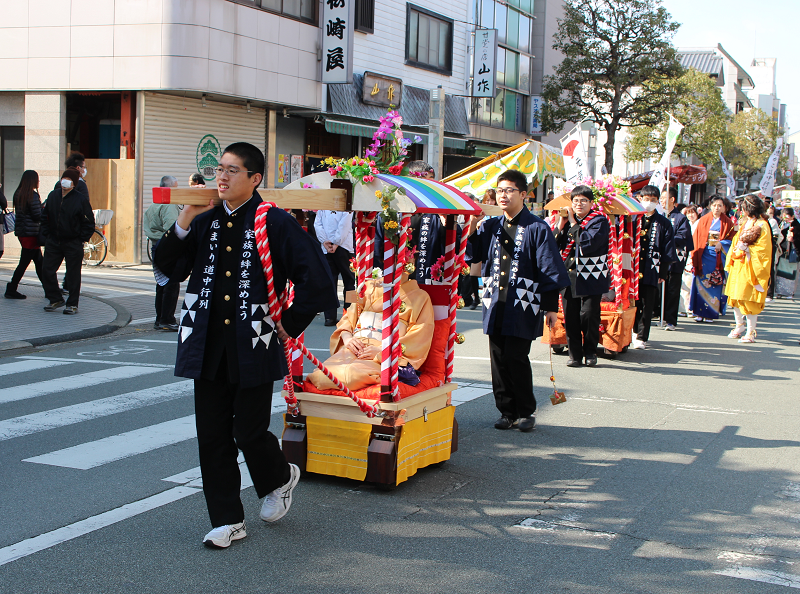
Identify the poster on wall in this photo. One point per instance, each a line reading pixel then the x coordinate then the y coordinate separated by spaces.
pixel 282 171
pixel 296 167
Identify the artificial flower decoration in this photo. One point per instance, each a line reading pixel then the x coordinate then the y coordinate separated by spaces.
pixel 605 189
pixel 437 270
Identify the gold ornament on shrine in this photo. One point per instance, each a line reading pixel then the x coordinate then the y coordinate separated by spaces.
pixel 460 338
pixel 460 303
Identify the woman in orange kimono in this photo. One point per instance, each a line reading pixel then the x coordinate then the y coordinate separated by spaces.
pixel 356 344
pixel 749 265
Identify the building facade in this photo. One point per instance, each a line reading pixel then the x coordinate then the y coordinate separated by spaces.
pixel 167 84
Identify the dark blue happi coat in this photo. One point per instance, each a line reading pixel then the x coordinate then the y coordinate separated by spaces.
pixel 657 249
pixel 588 262
pixel 295 257
pixel 684 244
pixel 536 268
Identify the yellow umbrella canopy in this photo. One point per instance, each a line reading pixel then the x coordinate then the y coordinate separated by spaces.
pixel 532 158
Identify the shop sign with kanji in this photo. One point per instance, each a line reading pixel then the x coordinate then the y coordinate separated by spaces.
pixel 338 17
pixel 381 90
pixel 484 63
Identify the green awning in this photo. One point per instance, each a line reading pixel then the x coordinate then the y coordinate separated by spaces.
pixel 353 129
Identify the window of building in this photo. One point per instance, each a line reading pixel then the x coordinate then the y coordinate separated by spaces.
pixel 12 158
pixel 513 21
pixel 303 10
pixel 429 40
pixel 365 16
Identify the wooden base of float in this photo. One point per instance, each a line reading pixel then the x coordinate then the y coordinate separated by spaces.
pixel 615 337
pixel 332 436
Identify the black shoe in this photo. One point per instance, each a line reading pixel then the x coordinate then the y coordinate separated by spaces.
pixel 157 326
pixel 591 361
pixel 474 305
pixel 331 322
pixel 503 423
pixel 526 424
pixel 169 327
pixel 14 294
pixel 54 306
pixel 574 363
pixel 71 310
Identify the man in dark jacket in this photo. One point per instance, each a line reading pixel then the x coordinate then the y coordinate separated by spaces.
pixel 583 241
pixel 67 222
pixel 656 253
pixel 227 341
pixel 682 234
pixel 77 162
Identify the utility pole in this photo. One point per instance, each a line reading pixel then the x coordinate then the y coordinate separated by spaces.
pixel 436 131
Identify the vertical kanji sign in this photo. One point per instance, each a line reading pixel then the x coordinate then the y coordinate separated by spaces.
pixel 338 17
pixel 484 62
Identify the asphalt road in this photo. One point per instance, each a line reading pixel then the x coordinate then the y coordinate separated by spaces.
pixel 675 469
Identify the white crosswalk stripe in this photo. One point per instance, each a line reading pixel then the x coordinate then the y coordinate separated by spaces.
pixel 76 413
pixel 123 445
pixel 73 382
pixel 30 365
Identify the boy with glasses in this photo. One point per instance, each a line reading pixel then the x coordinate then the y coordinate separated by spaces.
pixel 523 274
pixel 583 239
pixel 227 342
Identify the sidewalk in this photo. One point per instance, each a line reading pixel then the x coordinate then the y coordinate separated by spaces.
pixel 24 323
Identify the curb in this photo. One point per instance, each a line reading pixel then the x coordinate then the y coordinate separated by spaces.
pixel 123 318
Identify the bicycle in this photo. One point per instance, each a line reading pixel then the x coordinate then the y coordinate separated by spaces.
pixel 96 249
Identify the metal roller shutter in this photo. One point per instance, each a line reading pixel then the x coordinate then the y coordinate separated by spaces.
pixel 176 129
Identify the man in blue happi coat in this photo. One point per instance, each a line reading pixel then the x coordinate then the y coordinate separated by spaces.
pixel 227 341
pixel 656 254
pixel 523 273
pixel 684 244
pixel 582 238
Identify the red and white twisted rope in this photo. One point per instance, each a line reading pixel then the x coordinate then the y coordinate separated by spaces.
pixel 451 276
pixel 276 312
pixel 401 257
pixel 637 245
pixel 387 388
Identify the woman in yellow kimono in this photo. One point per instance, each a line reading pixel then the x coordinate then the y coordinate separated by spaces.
pixel 356 343
pixel 749 265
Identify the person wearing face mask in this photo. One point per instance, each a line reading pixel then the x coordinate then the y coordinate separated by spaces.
pixel 656 254
pixel 67 222
pixel 712 239
pixel 582 238
pixel 683 245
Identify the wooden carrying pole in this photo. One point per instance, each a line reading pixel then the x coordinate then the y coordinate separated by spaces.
pixel 311 198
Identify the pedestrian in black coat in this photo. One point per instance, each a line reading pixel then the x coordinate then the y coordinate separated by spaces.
pixel 28 209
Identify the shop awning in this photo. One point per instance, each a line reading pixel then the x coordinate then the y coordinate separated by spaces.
pixel 534 159
pixel 366 131
pixel 684 174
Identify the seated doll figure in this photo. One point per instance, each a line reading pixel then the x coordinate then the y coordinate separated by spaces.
pixel 356 343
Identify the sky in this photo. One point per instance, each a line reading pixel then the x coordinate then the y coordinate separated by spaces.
pixel 747 29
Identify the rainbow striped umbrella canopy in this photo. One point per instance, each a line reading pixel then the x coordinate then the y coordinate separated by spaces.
pixel 432 196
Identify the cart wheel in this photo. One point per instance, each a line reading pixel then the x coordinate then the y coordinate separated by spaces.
pixel 95 250
pixel 558 349
pixel 609 354
pixel 624 349
pixel 149 250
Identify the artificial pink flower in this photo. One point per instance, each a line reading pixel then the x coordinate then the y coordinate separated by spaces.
pixel 368 178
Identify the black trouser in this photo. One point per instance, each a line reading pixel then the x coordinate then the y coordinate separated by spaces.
pixel 55 253
pixel 25 258
pixel 230 418
pixel 644 311
pixel 582 324
pixel 468 289
pixel 672 296
pixel 771 288
pixel 339 263
pixel 166 301
pixel 512 378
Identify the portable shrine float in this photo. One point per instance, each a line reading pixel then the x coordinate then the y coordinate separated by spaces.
pixel 383 433
pixel 618 306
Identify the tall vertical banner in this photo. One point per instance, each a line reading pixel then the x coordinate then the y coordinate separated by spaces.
pixel 576 165
pixel 338 19
pixel 768 179
pixel 659 176
pixel 484 64
pixel 536 115
pixel 729 181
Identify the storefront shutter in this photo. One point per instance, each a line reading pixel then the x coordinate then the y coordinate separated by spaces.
pixel 181 137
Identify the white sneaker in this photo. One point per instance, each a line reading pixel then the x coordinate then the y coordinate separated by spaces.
pixel 669 327
pixel 639 344
pixel 220 538
pixel 277 503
